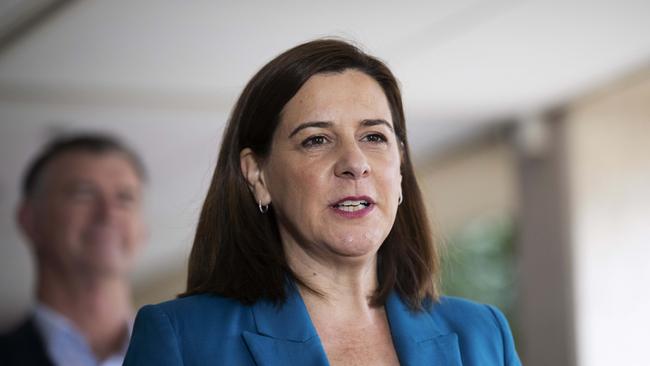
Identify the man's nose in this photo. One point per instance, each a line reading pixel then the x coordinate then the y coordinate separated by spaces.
pixel 352 162
pixel 105 208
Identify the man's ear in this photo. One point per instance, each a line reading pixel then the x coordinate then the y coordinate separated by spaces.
pixel 252 171
pixel 144 232
pixel 25 219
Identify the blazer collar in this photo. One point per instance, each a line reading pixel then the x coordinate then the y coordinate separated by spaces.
pixel 286 336
pixel 418 340
pixel 288 321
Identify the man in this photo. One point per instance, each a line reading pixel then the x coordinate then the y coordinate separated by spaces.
pixel 81 211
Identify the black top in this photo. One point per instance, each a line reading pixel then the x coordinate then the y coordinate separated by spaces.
pixel 23 346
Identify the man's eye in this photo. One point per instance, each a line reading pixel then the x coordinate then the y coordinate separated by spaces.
pixel 126 197
pixel 314 141
pixel 375 138
pixel 81 193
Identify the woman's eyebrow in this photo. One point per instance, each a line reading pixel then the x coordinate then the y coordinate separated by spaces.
pixel 376 122
pixel 328 124
pixel 302 126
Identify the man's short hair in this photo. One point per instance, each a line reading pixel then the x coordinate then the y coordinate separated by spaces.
pixel 94 143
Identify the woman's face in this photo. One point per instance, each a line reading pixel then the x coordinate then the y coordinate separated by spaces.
pixel 333 174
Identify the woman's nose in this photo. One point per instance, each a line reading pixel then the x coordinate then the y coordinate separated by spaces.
pixel 352 162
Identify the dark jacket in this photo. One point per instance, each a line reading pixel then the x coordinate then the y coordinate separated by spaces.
pixel 23 346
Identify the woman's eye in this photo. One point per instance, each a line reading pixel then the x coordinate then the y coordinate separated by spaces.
pixel 314 141
pixel 375 138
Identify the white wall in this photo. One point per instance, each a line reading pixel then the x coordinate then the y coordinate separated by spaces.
pixel 609 172
pixel 470 182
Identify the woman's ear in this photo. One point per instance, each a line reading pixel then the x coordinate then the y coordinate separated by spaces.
pixel 254 176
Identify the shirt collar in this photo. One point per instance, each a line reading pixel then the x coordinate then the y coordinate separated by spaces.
pixel 64 342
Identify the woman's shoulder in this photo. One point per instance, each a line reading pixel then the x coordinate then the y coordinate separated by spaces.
pixel 190 330
pixel 460 315
pixel 452 305
pixel 197 302
pixel 479 327
pixel 201 311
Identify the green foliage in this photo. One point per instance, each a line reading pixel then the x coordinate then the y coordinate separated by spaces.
pixel 479 263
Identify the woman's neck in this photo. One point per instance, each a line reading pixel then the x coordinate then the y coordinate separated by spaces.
pixel 349 328
pixel 342 285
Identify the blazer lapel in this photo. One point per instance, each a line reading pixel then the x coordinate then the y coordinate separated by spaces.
pixel 285 334
pixel 417 339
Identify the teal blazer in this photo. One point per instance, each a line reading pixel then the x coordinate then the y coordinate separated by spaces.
pixel 212 330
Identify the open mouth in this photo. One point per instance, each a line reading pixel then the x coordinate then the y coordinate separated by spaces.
pixel 352 205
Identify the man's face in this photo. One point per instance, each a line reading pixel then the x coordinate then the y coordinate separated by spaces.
pixel 85 216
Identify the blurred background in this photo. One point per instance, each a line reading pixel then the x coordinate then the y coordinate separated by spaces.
pixel 529 122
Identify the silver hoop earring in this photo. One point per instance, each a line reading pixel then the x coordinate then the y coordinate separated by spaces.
pixel 263 208
pixel 399 201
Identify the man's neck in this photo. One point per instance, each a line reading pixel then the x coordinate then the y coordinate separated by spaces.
pixel 99 307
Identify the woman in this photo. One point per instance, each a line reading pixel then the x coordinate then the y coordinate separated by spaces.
pixel 313 246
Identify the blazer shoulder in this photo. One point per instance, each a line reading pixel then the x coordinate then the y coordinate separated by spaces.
pixel 198 303
pixel 190 330
pixel 203 312
pixel 459 310
pixel 479 327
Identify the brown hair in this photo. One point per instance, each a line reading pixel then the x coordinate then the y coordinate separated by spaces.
pixel 237 251
pixel 92 143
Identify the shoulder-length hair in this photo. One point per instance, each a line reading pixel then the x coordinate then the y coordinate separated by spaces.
pixel 237 251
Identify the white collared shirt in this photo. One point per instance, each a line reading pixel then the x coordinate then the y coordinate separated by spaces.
pixel 64 343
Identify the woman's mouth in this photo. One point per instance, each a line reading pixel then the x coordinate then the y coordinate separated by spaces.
pixel 353 207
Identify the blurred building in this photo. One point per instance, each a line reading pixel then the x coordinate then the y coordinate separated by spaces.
pixel 529 123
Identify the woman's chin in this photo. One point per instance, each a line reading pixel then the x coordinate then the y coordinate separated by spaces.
pixel 364 244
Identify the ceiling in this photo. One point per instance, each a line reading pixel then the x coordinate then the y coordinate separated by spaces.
pixel 459 62
pixel 164 74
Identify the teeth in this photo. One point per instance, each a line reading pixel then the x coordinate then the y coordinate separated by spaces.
pixel 351 206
